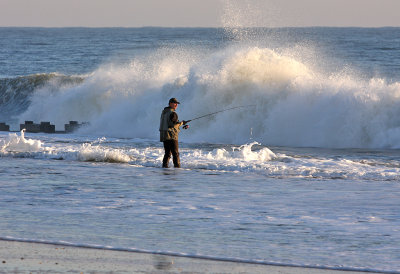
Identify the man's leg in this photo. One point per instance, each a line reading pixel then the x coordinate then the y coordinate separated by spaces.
pixel 167 155
pixel 175 153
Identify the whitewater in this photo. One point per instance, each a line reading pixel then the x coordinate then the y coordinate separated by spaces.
pixel 305 172
pixel 294 105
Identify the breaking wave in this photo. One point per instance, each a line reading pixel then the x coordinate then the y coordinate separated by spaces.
pixel 292 103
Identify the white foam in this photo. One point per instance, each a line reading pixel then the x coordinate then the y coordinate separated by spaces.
pixel 14 144
pixel 251 157
pixel 88 152
pixel 245 152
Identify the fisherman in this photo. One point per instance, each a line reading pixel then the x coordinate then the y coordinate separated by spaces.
pixel 169 131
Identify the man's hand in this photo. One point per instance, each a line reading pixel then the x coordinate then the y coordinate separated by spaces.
pixel 185 126
pixel 185 122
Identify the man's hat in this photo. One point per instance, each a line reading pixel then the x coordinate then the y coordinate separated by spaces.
pixel 173 100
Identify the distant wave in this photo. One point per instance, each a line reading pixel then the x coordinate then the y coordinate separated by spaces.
pixel 16 93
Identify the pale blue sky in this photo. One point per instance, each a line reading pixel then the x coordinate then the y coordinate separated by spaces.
pixel 199 13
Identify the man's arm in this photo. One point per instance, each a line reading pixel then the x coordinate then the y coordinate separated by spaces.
pixel 174 122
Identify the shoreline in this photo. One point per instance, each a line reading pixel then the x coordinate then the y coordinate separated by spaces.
pixel 18 256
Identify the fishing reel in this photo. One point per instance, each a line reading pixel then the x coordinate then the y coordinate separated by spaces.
pixel 185 125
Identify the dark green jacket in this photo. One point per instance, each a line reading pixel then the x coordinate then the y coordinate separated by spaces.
pixel 169 125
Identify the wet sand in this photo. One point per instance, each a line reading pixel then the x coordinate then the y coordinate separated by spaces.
pixel 27 257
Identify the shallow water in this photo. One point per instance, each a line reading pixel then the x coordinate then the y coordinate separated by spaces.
pixel 216 211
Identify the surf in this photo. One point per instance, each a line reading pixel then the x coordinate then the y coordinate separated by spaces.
pixel 295 104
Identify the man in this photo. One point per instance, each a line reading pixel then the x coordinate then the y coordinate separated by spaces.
pixel 169 131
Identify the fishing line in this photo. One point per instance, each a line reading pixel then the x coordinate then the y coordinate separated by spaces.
pixel 203 116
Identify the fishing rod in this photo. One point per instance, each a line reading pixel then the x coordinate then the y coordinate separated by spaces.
pixel 210 114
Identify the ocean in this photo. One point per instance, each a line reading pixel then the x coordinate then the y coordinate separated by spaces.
pixel 300 166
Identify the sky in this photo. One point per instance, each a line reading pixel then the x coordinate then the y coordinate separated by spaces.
pixel 199 13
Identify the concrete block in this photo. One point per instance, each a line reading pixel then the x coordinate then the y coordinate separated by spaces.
pixel 46 127
pixel 4 127
pixel 72 126
pixel 30 127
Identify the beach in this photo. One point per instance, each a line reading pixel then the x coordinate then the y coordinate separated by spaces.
pixel 24 257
